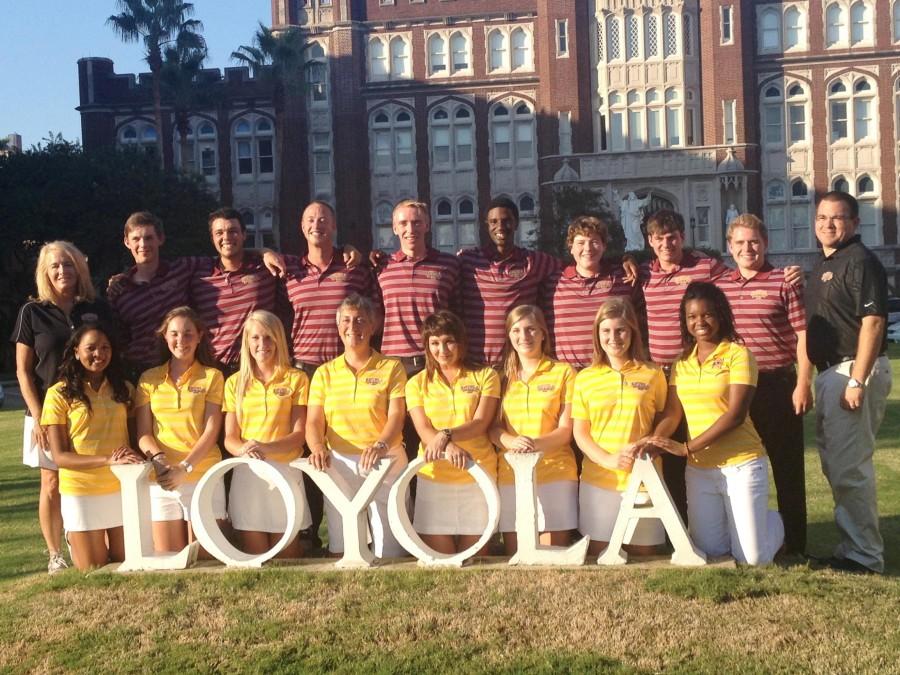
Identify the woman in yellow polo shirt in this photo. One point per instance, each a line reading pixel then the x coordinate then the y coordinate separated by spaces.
pixel 355 417
pixel 178 407
pixel 727 475
pixel 618 400
pixel 86 416
pixel 265 412
pixel 452 405
pixel 536 416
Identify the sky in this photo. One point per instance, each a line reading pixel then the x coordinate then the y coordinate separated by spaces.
pixel 42 42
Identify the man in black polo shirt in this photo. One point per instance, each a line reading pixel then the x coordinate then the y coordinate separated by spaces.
pixel 846 310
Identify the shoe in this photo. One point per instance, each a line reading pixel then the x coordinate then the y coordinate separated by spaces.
pixel 848 565
pixel 56 563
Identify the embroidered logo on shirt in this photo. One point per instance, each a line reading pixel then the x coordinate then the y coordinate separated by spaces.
pixel 544 388
pixel 717 364
pixel 432 274
pixel 640 386
pixel 281 391
pixel 469 388
pixel 373 381
pixel 683 280
pixel 515 274
pixel 195 389
pixel 604 285
pixel 759 295
pixel 338 277
pixel 827 276
pixel 250 279
pixel 89 317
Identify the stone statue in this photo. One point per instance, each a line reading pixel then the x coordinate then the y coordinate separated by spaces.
pixel 631 214
pixel 730 214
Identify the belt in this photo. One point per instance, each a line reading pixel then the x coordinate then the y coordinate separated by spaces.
pixel 306 366
pixel 825 365
pixel 413 361
pixel 778 372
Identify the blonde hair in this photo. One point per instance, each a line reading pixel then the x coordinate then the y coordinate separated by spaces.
pixel 413 204
pixel 749 221
pixel 271 326
pixel 84 290
pixel 510 358
pixel 618 308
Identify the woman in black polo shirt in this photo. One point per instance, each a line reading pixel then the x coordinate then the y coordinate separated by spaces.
pixel 65 299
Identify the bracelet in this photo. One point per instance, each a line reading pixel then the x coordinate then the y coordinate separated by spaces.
pixel 379 445
pixel 448 433
pixel 687 449
pixel 153 457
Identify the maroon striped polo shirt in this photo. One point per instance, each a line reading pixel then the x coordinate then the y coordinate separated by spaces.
pixel 141 307
pixel 224 299
pixel 315 295
pixel 574 306
pixel 491 286
pixel 412 290
pixel 663 292
pixel 768 314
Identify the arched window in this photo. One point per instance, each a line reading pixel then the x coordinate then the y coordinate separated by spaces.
pixel 670 35
pixel 378 62
pixel 773 120
pixel 860 23
pixel 253 147
pixel 399 58
pixel 513 136
pixel 139 135
pixel 317 81
pixel 632 38
pixel 796 114
pixel 437 55
pixel 687 30
pixel 673 118
pixel 863 111
pixel 835 25
pixel 788 215
pixel 867 196
pixel 651 35
pixel 197 152
pixel 129 133
pixel 840 184
pixel 443 209
pixel 451 138
pixel 391 141
pixel 521 49
pixel 896 22
pixel 617 113
pixel 837 110
pixel 794 28
pixel 498 50
pixel 654 119
pixel 770 30
pixel 459 49
pixel 526 204
pixel 635 121
pixel 613 45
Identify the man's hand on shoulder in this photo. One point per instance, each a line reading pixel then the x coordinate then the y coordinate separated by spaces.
pixel 115 286
pixel 793 274
pixel 274 262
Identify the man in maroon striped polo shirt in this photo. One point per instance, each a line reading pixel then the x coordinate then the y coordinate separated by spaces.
pixel 581 288
pixel 226 289
pixel 498 277
pixel 770 317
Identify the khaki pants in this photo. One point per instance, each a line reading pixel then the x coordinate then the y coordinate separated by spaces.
pixel 846 441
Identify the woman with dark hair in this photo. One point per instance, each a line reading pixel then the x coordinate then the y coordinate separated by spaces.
pixel 178 407
pixel 86 417
pixel 727 475
pixel 452 404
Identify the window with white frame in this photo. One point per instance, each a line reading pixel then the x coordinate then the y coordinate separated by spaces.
pixel 253 140
pixel 451 130
pixel 382 222
pixel 687 32
pixel 788 214
pixel 852 109
pixel 437 55
pixel 617 111
pixel 510 49
pixel 769 21
pixel 794 29
pixel 835 25
pixel 651 36
pixel 632 38
pixel 391 140
pixel 316 74
pixel 796 104
pixel 670 35
pixel 636 139
pixel 321 153
pixel 197 152
pixel 389 57
pixel 840 184
pixel 692 118
pixel 613 43
pixel 562 37
pixel 655 110
pixel 513 134
pixel 896 20
pixel 460 53
pixel 726 24
pixel 863 110
pixel 729 124
pixel 701 227
pixel 867 197
pixel 454 223
pixel 138 134
pixel 259 231
pixel 861 28
pixel 673 118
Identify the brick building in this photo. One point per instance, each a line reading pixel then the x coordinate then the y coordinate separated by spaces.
pixel 709 107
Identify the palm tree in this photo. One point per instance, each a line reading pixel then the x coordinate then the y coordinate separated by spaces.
pixel 183 86
pixel 278 58
pixel 158 24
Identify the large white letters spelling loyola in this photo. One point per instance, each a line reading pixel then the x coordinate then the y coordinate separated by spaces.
pixel 134 479
pixel 631 511
pixel 529 552
pixel 398 516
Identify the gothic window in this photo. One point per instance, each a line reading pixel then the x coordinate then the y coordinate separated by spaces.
pixel 253 147
pixel 835 25
pixel 652 35
pixel 513 134
pixel 670 35
pixel 612 39
pixel 391 140
pixel 860 23
pixel 632 38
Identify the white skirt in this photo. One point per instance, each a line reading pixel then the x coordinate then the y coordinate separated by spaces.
pixel 557 506
pixel 83 513
pixel 176 504
pixel 255 504
pixel 32 455
pixel 598 509
pixel 449 508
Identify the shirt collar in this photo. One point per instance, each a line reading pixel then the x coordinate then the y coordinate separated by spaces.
pixel 249 263
pixel 571 271
pixel 762 274
pixel 720 349
pixel 188 375
pixel 491 253
pixel 161 271
pixel 373 359
pixel 687 260
pixel 855 239
pixel 337 258
pixel 400 256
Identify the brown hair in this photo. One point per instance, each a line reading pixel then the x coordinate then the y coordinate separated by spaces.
pixel 226 213
pixel 444 322
pixel 749 221
pixel 144 219
pixel 665 220
pixel 587 226
pixel 204 353
pixel 619 308
pixel 510 358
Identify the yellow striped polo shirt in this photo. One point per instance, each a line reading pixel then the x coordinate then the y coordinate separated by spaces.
pixel 449 406
pixel 703 390
pixel 178 409
pixel 356 404
pixel 264 414
pixel 100 431
pixel 620 407
pixel 532 408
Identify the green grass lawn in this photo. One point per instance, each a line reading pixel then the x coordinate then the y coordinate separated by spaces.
pixel 786 618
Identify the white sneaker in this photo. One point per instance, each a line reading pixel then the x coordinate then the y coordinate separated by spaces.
pixel 56 563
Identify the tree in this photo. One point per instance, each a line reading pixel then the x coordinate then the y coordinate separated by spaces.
pixel 278 58
pixel 158 24
pixel 184 88
pixel 574 200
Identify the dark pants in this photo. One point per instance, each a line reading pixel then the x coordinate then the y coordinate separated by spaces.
pixel 673 473
pixel 314 497
pixel 781 431
pixel 413 366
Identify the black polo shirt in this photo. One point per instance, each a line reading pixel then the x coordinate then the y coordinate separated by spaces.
pixel 844 287
pixel 45 328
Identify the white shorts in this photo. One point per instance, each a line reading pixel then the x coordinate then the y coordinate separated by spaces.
pixel 32 455
pixel 176 504
pixel 449 508
pixel 598 509
pixel 557 506
pixel 255 504
pixel 83 513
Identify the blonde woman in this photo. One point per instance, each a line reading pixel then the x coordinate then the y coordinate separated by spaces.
pixel 536 416
pixel 178 407
pixel 452 405
pixel 618 400
pixel 65 299
pixel 265 414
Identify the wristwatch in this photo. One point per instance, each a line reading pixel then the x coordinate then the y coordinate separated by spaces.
pixel 448 433
pixel 853 383
pixel 186 465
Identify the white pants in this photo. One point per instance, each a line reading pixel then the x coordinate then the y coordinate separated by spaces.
pixel 728 512
pixel 846 440
pixel 346 467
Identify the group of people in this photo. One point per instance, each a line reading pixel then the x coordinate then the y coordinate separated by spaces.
pixel 463 359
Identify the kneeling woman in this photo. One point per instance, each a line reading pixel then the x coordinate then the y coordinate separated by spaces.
pixel 178 407
pixel 452 405
pixel 727 475
pixel 265 414
pixel 617 402
pixel 536 415
pixel 355 417
pixel 86 415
